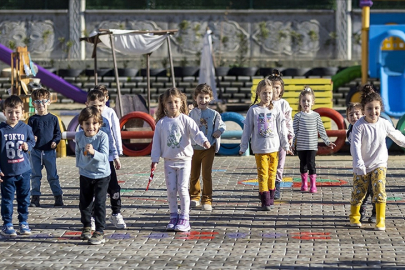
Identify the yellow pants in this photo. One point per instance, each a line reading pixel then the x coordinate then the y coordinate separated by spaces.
pixel 377 180
pixel 267 170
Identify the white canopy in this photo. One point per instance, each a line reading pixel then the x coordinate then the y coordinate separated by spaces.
pixel 129 43
pixel 207 69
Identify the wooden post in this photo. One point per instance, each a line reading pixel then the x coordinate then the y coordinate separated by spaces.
pixel 171 62
pixel 116 75
pixel 148 79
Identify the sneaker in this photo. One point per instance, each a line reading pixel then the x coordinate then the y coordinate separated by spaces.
pixel 93 224
pixel 172 224
pixel 35 201
pixel 372 219
pixel 363 211
pixel 182 226
pixel 207 207
pixel 8 230
pixel 58 200
pixel 97 238
pixel 118 221
pixel 194 204
pixel 86 233
pixel 24 228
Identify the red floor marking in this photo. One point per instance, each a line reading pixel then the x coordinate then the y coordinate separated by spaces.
pixel 70 235
pixel 120 182
pixel 194 235
pixel 311 235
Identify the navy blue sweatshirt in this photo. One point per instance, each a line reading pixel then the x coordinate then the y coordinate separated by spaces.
pixel 46 128
pixel 15 161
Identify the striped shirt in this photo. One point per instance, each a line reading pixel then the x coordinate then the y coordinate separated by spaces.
pixel 306 127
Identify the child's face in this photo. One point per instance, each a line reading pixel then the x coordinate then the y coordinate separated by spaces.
pixel 306 103
pixel 172 106
pixel 276 90
pixel 202 101
pixel 354 115
pixel 372 111
pixel 90 127
pixel 266 95
pixel 41 105
pixel 96 103
pixel 13 115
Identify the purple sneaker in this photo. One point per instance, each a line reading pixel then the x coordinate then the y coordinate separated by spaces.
pixel 183 225
pixel 173 222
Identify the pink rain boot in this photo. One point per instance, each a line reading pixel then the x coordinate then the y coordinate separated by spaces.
pixel 312 179
pixel 304 185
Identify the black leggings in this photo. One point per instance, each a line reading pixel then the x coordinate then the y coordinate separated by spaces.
pixel 307 161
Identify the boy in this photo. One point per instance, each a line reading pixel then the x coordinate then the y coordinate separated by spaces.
pixel 16 139
pixel 353 113
pixel 96 98
pixel 92 159
pixel 45 127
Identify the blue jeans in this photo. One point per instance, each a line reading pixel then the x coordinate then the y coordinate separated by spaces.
pixel 9 186
pixel 39 159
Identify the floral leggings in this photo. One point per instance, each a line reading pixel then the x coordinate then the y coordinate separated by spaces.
pixel 360 185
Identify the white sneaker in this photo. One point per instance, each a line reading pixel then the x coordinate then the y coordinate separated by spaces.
pixel 118 221
pixel 207 207
pixel 194 204
pixel 93 224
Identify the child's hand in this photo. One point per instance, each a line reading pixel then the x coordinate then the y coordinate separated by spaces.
pixel 290 142
pixel 241 153
pixel 89 149
pixel 53 145
pixel 207 145
pixel 117 163
pixel 190 107
pixel 153 165
pixel 24 146
pixel 331 145
pixel 1 175
pixel 290 152
pixel 217 134
pixel 35 137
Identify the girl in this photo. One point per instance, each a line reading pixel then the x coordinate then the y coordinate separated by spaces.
pixel 284 107
pixel 211 124
pixel 172 141
pixel 353 113
pixel 370 156
pixel 92 150
pixel 264 126
pixel 307 124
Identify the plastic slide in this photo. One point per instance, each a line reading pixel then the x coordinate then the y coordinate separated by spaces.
pixel 49 79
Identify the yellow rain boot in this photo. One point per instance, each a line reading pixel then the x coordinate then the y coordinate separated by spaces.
pixel 355 216
pixel 380 216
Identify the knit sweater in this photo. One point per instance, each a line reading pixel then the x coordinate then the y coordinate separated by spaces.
pixel 46 128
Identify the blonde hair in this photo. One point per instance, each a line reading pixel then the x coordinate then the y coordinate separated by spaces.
pixel 171 92
pixel 260 86
pixel 307 91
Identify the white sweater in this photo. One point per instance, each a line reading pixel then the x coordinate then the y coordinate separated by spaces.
pixel 172 138
pixel 114 122
pixel 266 129
pixel 368 146
pixel 285 108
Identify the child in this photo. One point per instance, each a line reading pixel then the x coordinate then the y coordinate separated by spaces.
pixel 370 156
pixel 172 142
pixel 16 139
pixel 96 98
pixel 211 124
pixel 354 113
pixel 264 125
pixel 92 159
pixel 284 106
pixel 114 189
pixel 45 127
pixel 307 124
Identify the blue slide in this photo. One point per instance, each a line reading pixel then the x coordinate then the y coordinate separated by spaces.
pixel 49 79
pixel 387 62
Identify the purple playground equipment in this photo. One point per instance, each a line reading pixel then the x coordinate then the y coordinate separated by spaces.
pixel 49 79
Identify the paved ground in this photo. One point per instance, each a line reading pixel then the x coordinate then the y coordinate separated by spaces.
pixel 303 230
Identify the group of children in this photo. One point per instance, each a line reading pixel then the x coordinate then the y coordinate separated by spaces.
pixel 187 141
pixel 30 147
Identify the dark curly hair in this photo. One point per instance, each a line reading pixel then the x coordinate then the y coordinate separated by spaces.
pixel 369 95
